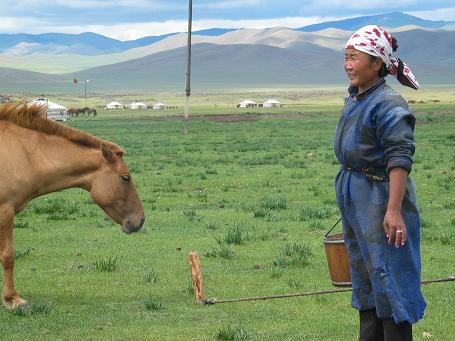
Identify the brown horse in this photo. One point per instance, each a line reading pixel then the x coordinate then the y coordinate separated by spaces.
pixel 39 156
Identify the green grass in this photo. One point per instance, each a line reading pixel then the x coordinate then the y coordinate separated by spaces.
pixel 151 276
pixel 106 265
pixel 294 255
pixel 254 199
pixel 152 305
pixel 229 333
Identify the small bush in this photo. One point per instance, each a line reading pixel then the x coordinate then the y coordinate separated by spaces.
pixel 22 253
pixel 189 212
pixel 294 255
pixel 276 273
pixel 152 305
pixel 41 308
pixel 447 239
pixel 266 235
pixel 312 212
pixel 151 276
pixel 220 250
pixel 449 204
pixel 234 235
pixel 202 196
pixel 56 208
pixel 294 284
pixel 211 225
pixel 297 176
pixel 21 225
pixel 294 164
pixel 33 309
pixel 229 333
pixel 273 203
pixel 427 224
pixel 316 225
pixel 316 189
pixel 260 212
pixel 107 265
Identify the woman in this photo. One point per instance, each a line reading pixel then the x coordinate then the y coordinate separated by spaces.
pixel 374 144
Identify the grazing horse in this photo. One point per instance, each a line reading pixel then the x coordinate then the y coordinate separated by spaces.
pixel 85 111
pixel 91 112
pixel 73 112
pixel 40 156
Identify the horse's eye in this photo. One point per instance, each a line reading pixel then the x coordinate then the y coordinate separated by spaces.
pixel 126 178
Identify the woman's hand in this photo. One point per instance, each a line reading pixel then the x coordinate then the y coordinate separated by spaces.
pixel 394 228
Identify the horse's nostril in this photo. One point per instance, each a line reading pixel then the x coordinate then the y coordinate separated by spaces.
pixel 142 221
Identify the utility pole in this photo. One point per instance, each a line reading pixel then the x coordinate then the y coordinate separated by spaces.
pixel 76 81
pixel 188 69
pixel 85 91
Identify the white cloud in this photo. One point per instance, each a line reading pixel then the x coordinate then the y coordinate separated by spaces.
pixel 59 5
pixel 360 6
pixel 447 14
pixel 16 25
pixel 84 4
pixel 228 4
pixel 130 31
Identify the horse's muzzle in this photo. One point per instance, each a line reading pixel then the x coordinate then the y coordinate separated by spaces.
pixel 129 227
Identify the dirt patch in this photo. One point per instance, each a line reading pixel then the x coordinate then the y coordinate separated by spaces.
pixel 226 118
pixel 214 118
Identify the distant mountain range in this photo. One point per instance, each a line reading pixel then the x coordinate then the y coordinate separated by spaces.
pixel 87 43
pixel 91 44
pixel 389 20
pixel 222 58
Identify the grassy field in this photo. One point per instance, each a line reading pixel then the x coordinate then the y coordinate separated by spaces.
pixel 302 99
pixel 254 198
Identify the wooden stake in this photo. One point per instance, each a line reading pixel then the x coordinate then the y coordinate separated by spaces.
pixel 196 274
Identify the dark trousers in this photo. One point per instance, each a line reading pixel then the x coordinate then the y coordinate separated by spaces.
pixel 373 328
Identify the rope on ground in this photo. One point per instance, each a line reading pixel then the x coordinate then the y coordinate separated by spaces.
pixel 213 301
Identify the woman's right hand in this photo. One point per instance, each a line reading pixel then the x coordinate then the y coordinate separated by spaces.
pixel 394 228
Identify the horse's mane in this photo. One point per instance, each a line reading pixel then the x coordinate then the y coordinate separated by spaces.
pixel 33 117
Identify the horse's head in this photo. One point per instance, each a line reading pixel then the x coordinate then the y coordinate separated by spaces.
pixel 114 191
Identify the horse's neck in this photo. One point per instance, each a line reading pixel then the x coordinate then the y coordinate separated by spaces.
pixel 68 165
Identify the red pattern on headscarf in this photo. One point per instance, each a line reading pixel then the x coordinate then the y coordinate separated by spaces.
pixel 382 47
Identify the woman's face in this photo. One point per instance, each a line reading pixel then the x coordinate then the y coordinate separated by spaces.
pixel 361 70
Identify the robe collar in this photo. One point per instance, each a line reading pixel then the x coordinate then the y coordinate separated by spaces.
pixel 354 91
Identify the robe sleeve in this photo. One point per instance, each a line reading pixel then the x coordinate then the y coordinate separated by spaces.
pixel 395 132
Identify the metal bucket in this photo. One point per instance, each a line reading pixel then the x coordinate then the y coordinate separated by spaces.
pixel 337 259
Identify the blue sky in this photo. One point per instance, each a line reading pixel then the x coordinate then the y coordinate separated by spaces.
pixel 131 19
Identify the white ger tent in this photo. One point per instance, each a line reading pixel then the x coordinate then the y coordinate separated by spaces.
pixel 271 103
pixel 114 105
pixel 138 106
pixel 159 106
pixel 247 104
pixel 55 111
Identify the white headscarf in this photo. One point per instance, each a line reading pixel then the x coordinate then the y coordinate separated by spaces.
pixel 375 41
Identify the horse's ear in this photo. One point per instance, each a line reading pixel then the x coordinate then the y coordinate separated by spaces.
pixel 107 153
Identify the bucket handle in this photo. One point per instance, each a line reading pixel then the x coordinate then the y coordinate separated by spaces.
pixel 327 234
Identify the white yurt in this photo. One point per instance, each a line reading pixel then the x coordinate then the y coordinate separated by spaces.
pixel 159 106
pixel 138 106
pixel 271 103
pixel 55 111
pixel 114 105
pixel 247 104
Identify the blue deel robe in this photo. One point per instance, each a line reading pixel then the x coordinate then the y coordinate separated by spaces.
pixel 376 129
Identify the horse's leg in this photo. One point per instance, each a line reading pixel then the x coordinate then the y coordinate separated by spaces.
pixel 10 298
